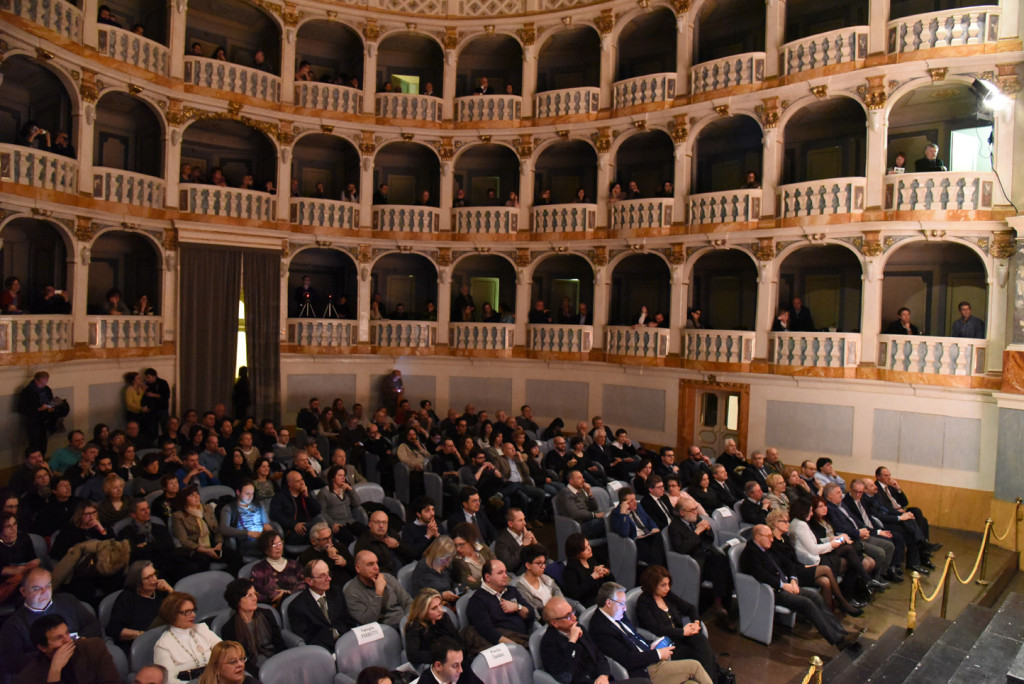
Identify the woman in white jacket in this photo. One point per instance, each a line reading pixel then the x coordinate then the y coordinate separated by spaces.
pixel 184 649
pixel 822 556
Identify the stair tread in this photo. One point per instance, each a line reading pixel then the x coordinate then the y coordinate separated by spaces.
pixel 868 660
pixel 904 659
pixel 946 654
pixel 991 655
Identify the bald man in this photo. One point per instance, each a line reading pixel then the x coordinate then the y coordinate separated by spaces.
pixel 375 596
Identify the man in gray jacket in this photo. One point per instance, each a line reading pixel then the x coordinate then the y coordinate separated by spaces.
pixel 375 596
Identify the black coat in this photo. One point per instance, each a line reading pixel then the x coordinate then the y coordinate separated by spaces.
pixel 308 621
pixel 616 646
pixel 572 663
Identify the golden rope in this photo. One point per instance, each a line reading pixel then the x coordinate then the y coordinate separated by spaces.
pixel 977 561
pixel 942 581
pixel 1010 527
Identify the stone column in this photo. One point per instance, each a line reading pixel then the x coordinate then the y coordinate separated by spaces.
pixel 772 171
pixel 871 299
pixel 367 147
pixel 371 32
pixel 83 135
pixel 527 176
pixel 775 31
pixel 169 285
pixel 172 166
pixel 363 294
pixel 447 188
pixel 878 17
pixel 602 294
pixel 285 295
pixel 444 293
pixel 682 153
pixel 524 295
pixel 877 137
pixel 284 183
pixel 767 295
pixel 684 51
pixel 605 174
pixel 1000 296
pixel 90 27
pixel 605 23
pixel 78 280
pixel 528 36
pixel 451 44
pixel 680 295
pixel 288 65
pixel 176 38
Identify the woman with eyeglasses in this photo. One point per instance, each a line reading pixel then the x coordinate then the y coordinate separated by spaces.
pixel 275 577
pixel 185 648
pixel 227 665
pixel 536 587
pixel 253 627
pixel 136 608
pixel 428 622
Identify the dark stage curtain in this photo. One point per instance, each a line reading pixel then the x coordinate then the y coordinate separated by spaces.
pixel 261 281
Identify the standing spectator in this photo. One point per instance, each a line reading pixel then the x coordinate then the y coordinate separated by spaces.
pixel 902 324
pixel 259 61
pixel 62 145
pixel 41 410
pixel 10 301
pixel 930 162
pixel 107 17
pixel 800 319
pixel 968 325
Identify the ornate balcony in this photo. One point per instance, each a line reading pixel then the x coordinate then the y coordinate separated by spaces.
pixel 717 346
pixel 485 220
pixel 727 72
pixel 566 102
pixel 649 343
pixel 127 187
pixel 229 202
pixel 38 169
pixel 481 336
pixel 233 78
pixel 23 334
pixel 564 218
pixel 951 356
pixel 560 339
pixel 56 15
pixel 125 332
pixel 408 334
pixel 814 349
pixel 825 49
pixel 328 97
pixel 488 108
pixel 406 219
pixel 324 213
pixel 321 332
pixel 654 212
pixel 822 197
pixel 944 191
pixel 644 90
pixel 730 206
pixel 131 48
pixel 946 28
pixel 408 106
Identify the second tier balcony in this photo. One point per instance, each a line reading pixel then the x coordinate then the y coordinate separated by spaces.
pixel 564 218
pixel 825 197
pixel 566 102
pixel 321 332
pixel 228 202
pixel 406 219
pixel 403 334
pixel 23 334
pixel 485 220
pixel 58 16
pixel 488 108
pixel 653 212
pixel 729 206
pixel 38 169
pixel 131 48
pixel 649 343
pixel 408 106
pixel 560 339
pixel 233 78
pixel 704 346
pixel 815 350
pixel 125 332
pixel 324 213
pixel 943 191
pixel 127 187
pixel 481 336
pixel 644 90
pixel 946 28
pixel 825 50
pixel 328 97
pixel 727 72
pixel 921 354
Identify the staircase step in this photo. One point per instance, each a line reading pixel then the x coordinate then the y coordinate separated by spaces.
pixel 869 660
pixel 992 654
pixel 904 659
pixel 946 654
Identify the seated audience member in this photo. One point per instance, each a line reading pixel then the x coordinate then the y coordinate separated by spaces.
pixel 755 507
pixel 902 324
pixel 244 520
pixel 876 552
pixel 152 542
pixel 418 533
pixel 390 553
pixel 497 611
pixel 63 658
pixel 113 305
pixel 692 536
pixel 57 510
pixel 582 577
pixel 184 649
pixel 616 636
pixel 22 478
pixel 88 479
pixel 469 499
pixel 656 502
pixel 889 490
pixel 17 556
pixel 756 471
pixel 470 555
pixel 577 502
pixel 428 623
pixel 339 561
pixel 34 500
pixel 164 505
pixel 107 17
pixel 630 521
pixel 722 486
pixel 275 577
pixel 968 325
pixel 434 570
pixel 567 653
pixel 336 501
pixel 195 528
pixel 535 586
pixel 253 627
pixel 227 665
pixel 31 135
pixel 373 595
pixel 796 486
pixel 511 541
pixel 827 474
pixel 234 470
pixel 899 164
pixel 776 492
pixel 449 663
pixel 930 162
pixel 319 615
pixel 193 473
pixel 263 481
pixel 293 509
pixel 113 507
pixel 700 491
pixel 901 524
pixel 751 182
pixel 661 612
pixel 137 607
pixel 84 526
pixel 147 474
pixel 639 481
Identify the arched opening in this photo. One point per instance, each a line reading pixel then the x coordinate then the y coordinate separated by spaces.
pixel 242 29
pixel 647 45
pixel 805 18
pixel 323 166
pixel 497 58
pixel 946 115
pixel 333 50
pixel 931 279
pixel 724 287
pixel 648 159
pixel 234 148
pixel 491 282
pixel 559 277
pixel 641 280
pixel 825 139
pixel 33 94
pixel 564 168
pixel 407 62
pixel 486 174
pixel 405 283
pixel 34 252
pixel 570 59
pixel 128 136
pixel 128 263
pixel 828 280
pixel 146 18
pixel 727 150
pixel 731 27
pixel 905 8
pixel 333 284
pixel 408 170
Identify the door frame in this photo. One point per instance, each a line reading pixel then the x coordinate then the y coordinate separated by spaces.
pixel 685 420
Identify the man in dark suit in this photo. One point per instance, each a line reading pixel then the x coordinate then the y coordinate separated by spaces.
pixel 757 471
pixel 584 317
pixel 485 88
pixel 497 611
pixel 567 653
pixel 511 540
pixel 877 548
pixel 734 461
pixel 391 554
pixel 37 405
pixel 665 465
pixel 800 319
pixel 319 616
pixel 755 507
pixel 694 537
pixel 656 502
pixel 577 502
pixel 61 658
pixel 722 486
pixel 696 461
pixel 470 512
pixel 293 509
pixel 904 530
pixel 613 460
pixel 889 489
pixel 630 521
pixel 445 662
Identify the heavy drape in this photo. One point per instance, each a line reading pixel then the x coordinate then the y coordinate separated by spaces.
pixel 261 281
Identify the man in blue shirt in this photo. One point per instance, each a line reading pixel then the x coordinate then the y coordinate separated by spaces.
pixel 968 325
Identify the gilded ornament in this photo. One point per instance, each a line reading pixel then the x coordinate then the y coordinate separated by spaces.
pixel 444 256
pixel 874 95
pixel 43 54
pixel 371 30
pixel 451 38
pixel 1002 245
pixel 765 249
pixel 365 254
pixel 522 257
pixel 681 6
pixel 523 146
pixel 85 229
pixel 722 110
pixel 599 255
pixel 527 35
pixel 605 22
pixel 769 111
pixel 938 73
pixel 819 91
pixel 679 128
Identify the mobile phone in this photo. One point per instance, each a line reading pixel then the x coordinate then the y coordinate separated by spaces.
pixel 74 636
pixel 664 642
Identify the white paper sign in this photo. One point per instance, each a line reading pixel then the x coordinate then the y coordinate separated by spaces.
pixel 732 542
pixel 367 633
pixel 497 655
pixel 725 511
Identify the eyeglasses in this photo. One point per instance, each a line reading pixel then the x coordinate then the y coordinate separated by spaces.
pixel 621 603
pixel 187 613
pixel 236 661
pixel 570 616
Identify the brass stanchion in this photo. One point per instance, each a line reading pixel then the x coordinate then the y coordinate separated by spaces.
pixel 915 582
pixel 814 671
pixel 945 585
pixel 984 555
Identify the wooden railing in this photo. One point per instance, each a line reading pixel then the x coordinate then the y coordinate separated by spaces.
pixel 822 197
pixel 213 200
pixel 653 212
pixel 934 355
pixel 128 187
pixel 309 211
pixel 727 72
pixel 728 206
pixel 231 77
pixel 131 48
pixel 38 169
pixel 23 334
pixel 487 336
pixel 825 49
pixel 628 341
pixel 946 28
pixel 125 332
pixel 718 346
pixel 577 339
pixel 814 349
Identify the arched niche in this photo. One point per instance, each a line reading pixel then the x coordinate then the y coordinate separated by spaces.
pixel 647 158
pixel 559 276
pixel 490 279
pixel 333 279
pixel 414 56
pixel 32 93
pixel 944 114
pixel 408 168
pixel 805 18
pixel 35 252
pixel 407 279
pixel 487 167
pixel 647 45
pixel 905 8
pixel 825 139
pixel 730 27
pixel 828 279
pixel 128 135
pixel 233 147
pixel 127 262
pixel 565 167
pixel 931 279
pixel 723 286
pixel 570 59
pixel 640 280
pixel 150 17
pixel 334 50
pixel 497 58
pixel 726 150
pixel 328 159
pixel 241 28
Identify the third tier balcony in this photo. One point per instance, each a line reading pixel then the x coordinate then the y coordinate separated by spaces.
pixel 233 78
pixel 946 192
pixel 131 48
pixel 727 72
pixel 946 28
pixel 825 197
pixel 645 90
pixel 127 187
pixel 827 49
pixel 328 97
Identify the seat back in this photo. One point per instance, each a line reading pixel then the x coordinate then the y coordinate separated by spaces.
pixel 564 526
pixel 285 622
pixel 433 485
pixel 402 481
pixel 535 637
pixel 585 616
pixel 299 665
pixel 603 498
pixel 220 619
pixel 516 672
pixel 622 559
pixel 106 608
pixel 208 589
pixel 756 601
pixel 42 553
pixel 120 525
pixel 726 520
pixel 246 570
pixel 405 577
pixel 142 647
pixel 214 492
pixel 119 658
pixel 462 608
pixel 632 596
pixel 395 506
pixel 369 491
pixel 372 464
pixel 556 571
pixel 352 657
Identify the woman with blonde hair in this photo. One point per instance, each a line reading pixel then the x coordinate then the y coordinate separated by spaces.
pixel 434 570
pixel 776 492
pixel 113 507
pixel 227 665
pixel 470 555
pixel 428 622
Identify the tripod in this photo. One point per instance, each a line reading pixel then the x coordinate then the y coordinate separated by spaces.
pixel 307 309
pixel 330 311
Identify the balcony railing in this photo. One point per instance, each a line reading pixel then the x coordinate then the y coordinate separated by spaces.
pixel 403 333
pixel 814 349
pixel 23 334
pixel 127 187
pixel 234 78
pixel 131 48
pixel 654 212
pixel 578 339
pixel 718 346
pixel 935 355
pixel 328 97
pixel 324 213
pixel 822 197
pixel 488 108
pixel 321 332
pixel 564 218
pixel 727 72
pixel 645 90
pixel 213 200
pixel 486 336
pixel 944 191
pixel 125 332
pixel 485 220
pixel 649 343
pixel 825 49
pixel 408 106
pixel 566 102
pixel 730 206
pixel 946 28
pixel 57 15
pixel 44 170
pixel 406 219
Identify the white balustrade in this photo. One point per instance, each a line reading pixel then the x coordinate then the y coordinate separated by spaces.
pixel 645 90
pixel 488 108
pixel 729 206
pixel 43 170
pixel 943 191
pixel 125 332
pixel 57 15
pixel 946 28
pixel 324 213
pixel 825 49
pixel 234 78
pixel 566 102
pixel 406 218
pixel 485 220
pixel 131 48
pixel 403 333
pixel 486 336
pixel 653 212
pixel 718 346
pixel 23 334
pixel 934 355
pixel 577 339
pixel 116 185
pixel 814 349
pixel 328 97
pixel 647 342
pixel 408 106
pixel 564 218
pixel 822 197
pixel 213 200
pixel 321 332
pixel 744 69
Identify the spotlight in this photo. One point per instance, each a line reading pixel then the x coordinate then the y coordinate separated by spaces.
pixel 990 99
